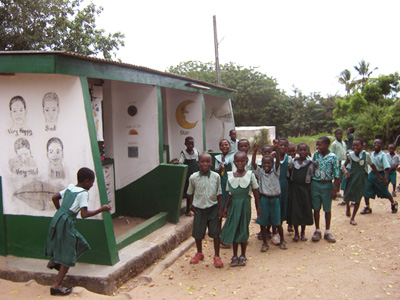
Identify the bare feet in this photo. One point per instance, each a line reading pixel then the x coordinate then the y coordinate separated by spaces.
pixel 352 222
pixel 296 238
pixel 303 238
pixel 189 214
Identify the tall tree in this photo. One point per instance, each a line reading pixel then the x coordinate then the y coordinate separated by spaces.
pixel 363 70
pixel 55 25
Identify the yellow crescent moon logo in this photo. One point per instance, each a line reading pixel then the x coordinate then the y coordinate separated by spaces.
pixel 180 115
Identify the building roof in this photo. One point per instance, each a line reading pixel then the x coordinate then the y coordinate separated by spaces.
pixel 116 63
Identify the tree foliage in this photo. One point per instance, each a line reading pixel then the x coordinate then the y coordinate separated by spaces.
pixel 259 101
pixel 55 25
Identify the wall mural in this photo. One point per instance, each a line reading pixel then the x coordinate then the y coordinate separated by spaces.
pixel 45 141
pixel 180 115
pixel 224 115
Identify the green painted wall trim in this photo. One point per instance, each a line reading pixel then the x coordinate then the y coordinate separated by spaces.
pixel 203 108
pixel 26 237
pixel 109 230
pixel 160 126
pixel 3 237
pixel 59 63
pixel 160 190
pixel 141 230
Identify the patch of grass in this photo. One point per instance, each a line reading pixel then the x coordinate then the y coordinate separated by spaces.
pixel 311 141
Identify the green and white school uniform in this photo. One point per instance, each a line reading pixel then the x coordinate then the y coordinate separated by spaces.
pixel 357 182
pixel 236 227
pixel 64 243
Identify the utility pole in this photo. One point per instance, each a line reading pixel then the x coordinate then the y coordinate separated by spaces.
pixel 217 69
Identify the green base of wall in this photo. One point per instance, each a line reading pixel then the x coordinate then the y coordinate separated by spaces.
pixel 141 230
pixel 158 191
pixel 26 237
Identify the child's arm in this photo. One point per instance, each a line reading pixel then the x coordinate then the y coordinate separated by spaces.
pixel 373 167
pixel 228 201
pixel 277 162
pixel 345 172
pixel 192 208
pixel 85 213
pixel 220 210
pixel 56 200
pixel 253 159
pixel 257 198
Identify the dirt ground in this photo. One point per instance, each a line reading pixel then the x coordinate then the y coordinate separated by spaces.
pixel 363 264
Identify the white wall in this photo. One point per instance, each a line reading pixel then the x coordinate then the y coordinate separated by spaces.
pixel 190 117
pixel 138 132
pixel 219 121
pixel 248 132
pixel 27 183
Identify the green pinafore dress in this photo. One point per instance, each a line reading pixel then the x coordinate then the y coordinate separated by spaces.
pixel 357 182
pixel 236 227
pixel 300 208
pixel 284 196
pixel 64 243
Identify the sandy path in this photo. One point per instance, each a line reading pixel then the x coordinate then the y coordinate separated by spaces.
pixel 363 264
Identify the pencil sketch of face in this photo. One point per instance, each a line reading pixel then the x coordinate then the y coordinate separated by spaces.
pixel 55 151
pixel 18 111
pixel 51 109
pixel 23 164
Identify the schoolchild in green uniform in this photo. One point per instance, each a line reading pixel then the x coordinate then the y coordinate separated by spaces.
pixel 64 243
pixel 394 161
pixel 237 210
pixel 205 196
pixel 269 191
pixel 323 192
pixel 300 208
pixel 355 170
pixel 233 141
pixel 189 157
pixel 376 187
pixel 350 138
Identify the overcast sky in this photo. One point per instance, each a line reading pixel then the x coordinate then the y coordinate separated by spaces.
pixel 305 44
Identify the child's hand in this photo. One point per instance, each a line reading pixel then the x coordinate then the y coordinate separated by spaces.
pixel 225 213
pixel 221 168
pixel 193 209
pixel 316 164
pixel 259 213
pixel 273 154
pixel 220 213
pixel 346 174
pixel 385 181
pixel 255 147
pixel 106 208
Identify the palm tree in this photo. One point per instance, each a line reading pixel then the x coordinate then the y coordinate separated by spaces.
pixel 363 70
pixel 344 78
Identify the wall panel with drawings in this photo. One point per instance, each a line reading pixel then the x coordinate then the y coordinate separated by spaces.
pixel 108 171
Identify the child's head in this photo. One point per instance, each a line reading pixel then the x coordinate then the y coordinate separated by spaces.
pixel 232 134
pixel 55 151
pixel 358 145
pixel 267 163
pixel 339 134
pixel 85 178
pixel 350 130
pixel 303 150
pixel 240 160
pixel 291 149
pixel 267 150
pixel 365 145
pixel 22 149
pixel 224 146
pixel 204 163
pixel 283 145
pixel 323 144
pixel 392 148
pixel 50 104
pixel 275 143
pixel 244 145
pixel 189 143
pixel 377 145
pixel 17 109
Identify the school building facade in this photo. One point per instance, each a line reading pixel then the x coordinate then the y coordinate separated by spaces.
pixel 63 111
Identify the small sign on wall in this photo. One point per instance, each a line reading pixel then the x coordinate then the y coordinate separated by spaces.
pixel 133 151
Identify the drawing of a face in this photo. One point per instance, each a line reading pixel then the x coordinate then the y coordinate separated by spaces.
pixel 55 151
pixel 23 154
pixel 51 108
pixel 18 112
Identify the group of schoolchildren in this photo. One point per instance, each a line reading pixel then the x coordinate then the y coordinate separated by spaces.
pixel 287 184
